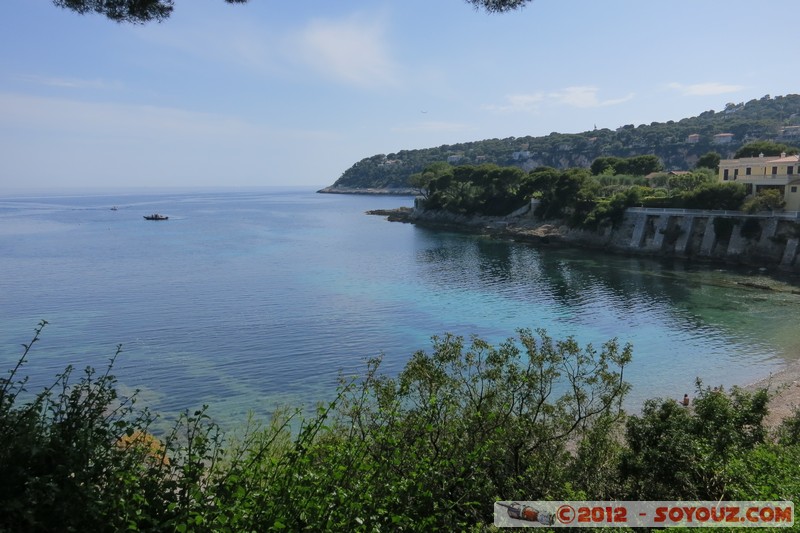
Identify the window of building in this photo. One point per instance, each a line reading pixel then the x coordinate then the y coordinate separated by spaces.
pixel 747 171
pixel 794 188
pixel 725 174
pixel 774 171
pixel 735 173
pixel 789 170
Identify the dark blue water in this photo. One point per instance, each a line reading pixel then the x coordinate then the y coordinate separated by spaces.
pixel 250 300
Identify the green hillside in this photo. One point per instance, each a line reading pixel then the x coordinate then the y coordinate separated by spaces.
pixel 678 144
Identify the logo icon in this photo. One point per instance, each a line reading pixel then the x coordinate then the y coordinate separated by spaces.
pixel 518 511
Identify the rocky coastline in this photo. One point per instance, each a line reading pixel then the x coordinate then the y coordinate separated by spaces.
pixel 517 229
pixel 690 236
pixel 377 191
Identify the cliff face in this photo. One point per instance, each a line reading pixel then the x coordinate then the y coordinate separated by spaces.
pixel 768 240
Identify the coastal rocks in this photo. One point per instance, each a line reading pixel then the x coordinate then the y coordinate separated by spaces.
pixel 400 214
pixel 522 229
pixel 761 240
pixel 380 191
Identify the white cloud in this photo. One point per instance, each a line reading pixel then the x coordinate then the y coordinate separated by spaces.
pixel 352 51
pixel 584 97
pixel 581 97
pixel 705 89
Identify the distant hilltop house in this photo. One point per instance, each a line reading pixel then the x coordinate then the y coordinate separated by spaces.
pixel 766 172
pixel 790 132
pixel 693 138
pixel 723 138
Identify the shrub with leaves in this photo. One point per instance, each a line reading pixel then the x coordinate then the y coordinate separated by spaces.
pixel 58 463
pixel 679 452
pixel 468 424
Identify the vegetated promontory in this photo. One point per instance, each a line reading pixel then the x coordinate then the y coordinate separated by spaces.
pixel 679 145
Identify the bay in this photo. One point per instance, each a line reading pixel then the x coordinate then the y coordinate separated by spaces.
pixel 249 300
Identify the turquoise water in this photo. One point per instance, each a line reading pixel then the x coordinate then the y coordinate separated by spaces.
pixel 251 300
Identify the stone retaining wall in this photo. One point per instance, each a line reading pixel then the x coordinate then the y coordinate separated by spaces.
pixel 769 239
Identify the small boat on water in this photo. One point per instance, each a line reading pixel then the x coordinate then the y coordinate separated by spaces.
pixel 155 216
pixel 114 208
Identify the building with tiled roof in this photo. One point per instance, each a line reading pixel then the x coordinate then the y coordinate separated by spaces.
pixel 766 172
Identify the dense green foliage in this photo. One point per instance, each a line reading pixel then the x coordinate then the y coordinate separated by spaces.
pixel 431 449
pixel 575 195
pixel 639 165
pixel 485 190
pixel 769 148
pixel 676 454
pixel 669 142
pixel 710 161
pixel 764 200
pixel 715 196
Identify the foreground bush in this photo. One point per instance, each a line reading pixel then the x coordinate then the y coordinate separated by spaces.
pixel 432 449
pixel 459 428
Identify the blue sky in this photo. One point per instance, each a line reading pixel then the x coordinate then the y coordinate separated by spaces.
pixel 294 92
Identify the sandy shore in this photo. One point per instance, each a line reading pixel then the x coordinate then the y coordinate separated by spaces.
pixel 784 388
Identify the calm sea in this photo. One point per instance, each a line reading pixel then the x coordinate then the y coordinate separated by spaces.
pixel 251 300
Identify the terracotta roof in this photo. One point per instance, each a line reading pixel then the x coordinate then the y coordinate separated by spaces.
pixel 786 159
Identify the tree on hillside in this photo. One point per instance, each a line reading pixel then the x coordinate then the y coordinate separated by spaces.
pixel 709 160
pixel 605 165
pixel 472 190
pixel 144 11
pixel 422 180
pixel 560 191
pixel 639 165
pixel 754 149
pixel 642 165
pixel 690 181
